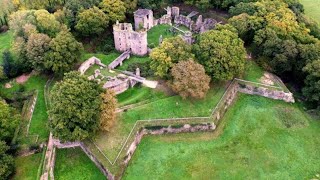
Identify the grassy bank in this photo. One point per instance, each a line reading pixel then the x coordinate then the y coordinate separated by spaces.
pixel 27 167
pixel 312 8
pixel 73 163
pixel 261 139
pixel 6 40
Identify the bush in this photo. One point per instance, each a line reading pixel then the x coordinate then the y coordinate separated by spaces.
pixel 144 67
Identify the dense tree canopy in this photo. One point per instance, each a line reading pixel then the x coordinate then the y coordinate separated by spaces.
pixel 6 162
pixel 108 110
pixel 9 120
pixel 189 79
pixel 64 52
pixel 312 81
pixel 221 52
pixel 75 111
pixel 114 9
pixel 37 46
pixel 47 23
pixel 170 52
pixel 92 21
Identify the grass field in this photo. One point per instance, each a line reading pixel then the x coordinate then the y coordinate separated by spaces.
pixel 27 167
pixel 253 72
pixel 105 58
pixel 155 32
pixel 139 94
pixel 258 138
pixel 5 42
pixel 39 120
pixel 312 8
pixel 159 107
pixel 73 163
pixel 132 60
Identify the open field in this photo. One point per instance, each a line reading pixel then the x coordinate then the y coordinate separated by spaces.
pixel 73 163
pixel 27 167
pixel 258 138
pixel 312 8
pixel 159 107
pixel 5 42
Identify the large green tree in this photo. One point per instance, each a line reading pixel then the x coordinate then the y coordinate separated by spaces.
pixel 64 52
pixel 189 79
pixel 37 46
pixel 47 23
pixel 312 81
pixel 221 52
pixel 75 107
pixel 170 52
pixel 9 120
pixel 6 162
pixel 114 9
pixel 92 21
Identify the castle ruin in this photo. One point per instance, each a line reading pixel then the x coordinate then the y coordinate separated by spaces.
pixel 126 39
pixel 135 41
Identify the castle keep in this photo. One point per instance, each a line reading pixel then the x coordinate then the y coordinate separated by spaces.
pixel 126 39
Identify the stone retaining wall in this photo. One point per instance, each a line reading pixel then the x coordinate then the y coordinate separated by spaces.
pixel 165 130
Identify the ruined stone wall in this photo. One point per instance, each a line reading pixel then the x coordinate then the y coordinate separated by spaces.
pixel 266 92
pixel 143 20
pixel 125 39
pixel 88 63
pixel 165 130
pixel 183 20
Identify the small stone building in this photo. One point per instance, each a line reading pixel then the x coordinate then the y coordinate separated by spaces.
pixel 126 39
pixel 143 18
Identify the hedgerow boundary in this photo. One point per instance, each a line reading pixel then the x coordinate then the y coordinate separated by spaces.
pixel 118 165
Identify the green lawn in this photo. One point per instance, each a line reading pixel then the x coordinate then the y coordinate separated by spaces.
pixel 105 58
pixel 159 107
pixel 73 163
pixel 6 40
pixel 312 8
pixel 132 60
pixel 27 167
pixel 155 32
pixel 260 139
pixel 39 120
pixel 253 72
pixel 139 94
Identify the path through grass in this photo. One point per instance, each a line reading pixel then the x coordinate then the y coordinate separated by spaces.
pixel 73 163
pixel 261 139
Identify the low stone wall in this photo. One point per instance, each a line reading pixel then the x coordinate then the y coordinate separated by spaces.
pixel 164 130
pixel 107 173
pixel 90 62
pixel 119 60
pixel 272 92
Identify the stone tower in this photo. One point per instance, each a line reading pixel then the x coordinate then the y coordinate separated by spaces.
pixel 126 39
pixel 143 18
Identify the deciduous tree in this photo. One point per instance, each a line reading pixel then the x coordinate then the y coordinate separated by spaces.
pixel 92 21
pixel 108 110
pixel 312 82
pixel 37 46
pixel 47 23
pixel 64 52
pixel 221 52
pixel 189 79
pixel 75 107
pixel 9 120
pixel 170 52
pixel 114 9
pixel 6 162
